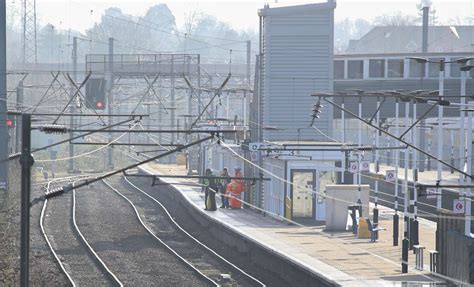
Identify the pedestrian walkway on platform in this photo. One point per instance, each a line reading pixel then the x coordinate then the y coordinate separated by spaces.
pixel 338 256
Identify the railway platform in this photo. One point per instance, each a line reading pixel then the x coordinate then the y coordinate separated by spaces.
pixel 338 257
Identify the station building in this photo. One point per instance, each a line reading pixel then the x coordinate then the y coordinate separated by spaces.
pixel 296 59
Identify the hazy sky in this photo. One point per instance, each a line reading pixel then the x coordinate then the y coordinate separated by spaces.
pixel 76 14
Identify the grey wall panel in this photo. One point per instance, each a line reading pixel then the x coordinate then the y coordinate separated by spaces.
pixel 298 60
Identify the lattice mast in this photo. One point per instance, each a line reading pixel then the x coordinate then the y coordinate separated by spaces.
pixel 28 39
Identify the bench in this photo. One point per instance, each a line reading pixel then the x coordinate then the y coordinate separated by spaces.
pixel 419 257
pixel 433 260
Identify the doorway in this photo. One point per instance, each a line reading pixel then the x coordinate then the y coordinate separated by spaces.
pixel 302 198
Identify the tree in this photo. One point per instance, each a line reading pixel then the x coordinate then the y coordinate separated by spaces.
pixel 347 30
pixel 396 19
pixel 433 19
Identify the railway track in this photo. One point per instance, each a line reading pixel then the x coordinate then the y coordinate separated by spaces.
pixel 154 216
pixel 129 249
pixel 73 254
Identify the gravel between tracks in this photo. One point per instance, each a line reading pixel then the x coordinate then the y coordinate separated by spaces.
pixel 59 228
pixel 44 270
pixel 156 219
pixel 111 227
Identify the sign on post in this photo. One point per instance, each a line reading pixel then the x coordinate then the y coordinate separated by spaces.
pixel 390 175
pixel 458 206
pixel 254 146
pixel 365 165
pixel 254 156
pixel 353 166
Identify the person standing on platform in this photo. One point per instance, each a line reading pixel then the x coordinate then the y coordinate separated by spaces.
pixel 211 187
pixel 235 188
pixel 224 181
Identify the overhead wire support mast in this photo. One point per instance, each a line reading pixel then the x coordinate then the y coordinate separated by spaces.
pixel 162 131
pixel 67 188
pixel 400 140
pixel 216 94
pixel 69 139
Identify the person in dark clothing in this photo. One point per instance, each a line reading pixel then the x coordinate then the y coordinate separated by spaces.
pixel 223 187
pixel 211 185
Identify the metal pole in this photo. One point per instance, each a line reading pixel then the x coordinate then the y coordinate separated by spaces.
pixel 3 98
pixel 72 105
pixel 172 114
pixel 440 132
pixel 160 112
pixel 359 139
pixel 468 203
pixel 377 142
pixel 397 153
pixel 462 150
pixel 406 213
pixel 343 139
pixel 148 140
pixel 26 161
pixel 19 107
pixel 414 203
pixel 248 61
pixel 260 105
pixel 110 83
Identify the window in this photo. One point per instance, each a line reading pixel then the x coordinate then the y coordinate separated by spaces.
pixel 417 70
pixel 377 68
pixel 395 68
pixel 455 69
pixel 433 68
pixel 355 69
pixel 339 69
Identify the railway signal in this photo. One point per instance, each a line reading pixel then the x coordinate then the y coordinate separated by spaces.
pixel 95 94
pixel 10 123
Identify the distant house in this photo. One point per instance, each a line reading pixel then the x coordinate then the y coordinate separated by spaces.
pixel 379 60
pixel 407 39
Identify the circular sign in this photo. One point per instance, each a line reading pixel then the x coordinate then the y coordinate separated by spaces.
pixel 459 206
pixel 353 166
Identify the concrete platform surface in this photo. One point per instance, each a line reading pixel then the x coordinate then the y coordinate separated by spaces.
pixel 339 257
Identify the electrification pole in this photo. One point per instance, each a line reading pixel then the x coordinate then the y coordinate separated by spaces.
pixel 3 98
pixel 19 106
pixel 172 97
pixel 110 83
pixel 72 105
pixel 397 155
pixel 440 132
pixel 26 161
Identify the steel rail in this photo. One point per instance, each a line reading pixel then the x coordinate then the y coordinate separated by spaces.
pixel 181 258
pixel 84 240
pixel 45 236
pixel 233 266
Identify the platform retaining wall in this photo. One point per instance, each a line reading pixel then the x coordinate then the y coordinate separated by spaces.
pixel 246 253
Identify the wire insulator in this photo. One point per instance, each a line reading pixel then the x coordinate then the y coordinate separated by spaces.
pixel 50 129
pixel 54 192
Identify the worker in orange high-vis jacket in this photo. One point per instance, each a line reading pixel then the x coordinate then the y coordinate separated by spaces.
pixel 235 188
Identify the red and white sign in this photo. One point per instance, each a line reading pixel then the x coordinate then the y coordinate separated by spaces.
pixel 390 175
pixel 458 206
